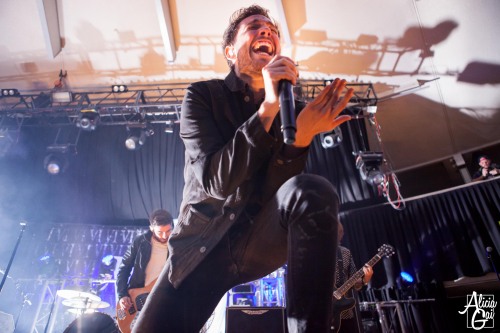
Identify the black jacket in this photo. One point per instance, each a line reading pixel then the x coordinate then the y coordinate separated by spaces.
pixel 232 166
pixel 137 257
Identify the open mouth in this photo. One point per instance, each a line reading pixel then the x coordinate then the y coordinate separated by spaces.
pixel 263 47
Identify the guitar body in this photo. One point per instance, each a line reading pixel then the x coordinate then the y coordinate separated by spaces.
pixel 340 306
pixel 138 296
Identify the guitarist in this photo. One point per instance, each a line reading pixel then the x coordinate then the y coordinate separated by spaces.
pixel 145 258
pixel 344 269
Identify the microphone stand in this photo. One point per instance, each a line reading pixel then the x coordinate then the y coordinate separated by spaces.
pixel 23 226
pixel 488 254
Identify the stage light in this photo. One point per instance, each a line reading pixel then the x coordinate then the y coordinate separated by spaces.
pixel 62 97
pixel 137 137
pixel 42 101
pixel 44 258
pixel 8 92
pixel 88 119
pixel 55 163
pixel 369 164
pixel 119 88
pixel 169 126
pixel 107 267
pixel 406 277
pixel 331 139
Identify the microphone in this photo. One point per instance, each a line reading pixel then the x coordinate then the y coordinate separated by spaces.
pixel 287 111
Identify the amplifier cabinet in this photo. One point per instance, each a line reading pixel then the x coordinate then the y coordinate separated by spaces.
pixel 246 319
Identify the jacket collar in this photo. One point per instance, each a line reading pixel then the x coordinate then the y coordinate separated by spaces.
pixel 234 83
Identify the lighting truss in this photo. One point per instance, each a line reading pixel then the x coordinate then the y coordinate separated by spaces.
pixel 159 103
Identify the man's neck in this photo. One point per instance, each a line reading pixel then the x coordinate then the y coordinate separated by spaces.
pixel 255 83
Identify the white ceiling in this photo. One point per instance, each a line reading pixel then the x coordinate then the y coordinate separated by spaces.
pixel 391 43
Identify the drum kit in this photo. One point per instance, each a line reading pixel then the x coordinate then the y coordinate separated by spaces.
pixel 80 302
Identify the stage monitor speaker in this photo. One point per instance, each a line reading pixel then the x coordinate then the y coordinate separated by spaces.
pixel 247 319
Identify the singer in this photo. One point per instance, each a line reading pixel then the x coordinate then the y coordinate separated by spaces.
pixel 248 208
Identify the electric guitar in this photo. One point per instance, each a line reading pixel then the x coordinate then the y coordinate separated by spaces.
pixel 340 303
pixel 138 296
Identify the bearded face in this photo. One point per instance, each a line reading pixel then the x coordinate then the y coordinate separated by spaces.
pixel 256 43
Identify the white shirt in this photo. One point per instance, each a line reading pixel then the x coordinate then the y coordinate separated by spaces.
pixel 158 258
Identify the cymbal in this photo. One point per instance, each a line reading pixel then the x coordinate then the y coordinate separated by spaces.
pixel 75 294
pixel 84 304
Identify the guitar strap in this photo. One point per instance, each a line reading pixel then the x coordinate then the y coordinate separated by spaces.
pixel 340 268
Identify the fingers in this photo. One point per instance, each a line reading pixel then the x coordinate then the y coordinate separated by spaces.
pixel 282 68
pixel 341 119
pixel 125 303
pixel 331 98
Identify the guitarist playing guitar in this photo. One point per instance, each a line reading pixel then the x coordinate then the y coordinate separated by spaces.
pixel 343 314
pixel 345 268
pixel 140 267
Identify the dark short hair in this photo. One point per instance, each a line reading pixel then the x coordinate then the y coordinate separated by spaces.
pixel 235 20
pixel 483 156
pixel 160 217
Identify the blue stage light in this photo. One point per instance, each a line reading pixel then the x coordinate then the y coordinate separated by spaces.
pixel 407 277
pixel 108 260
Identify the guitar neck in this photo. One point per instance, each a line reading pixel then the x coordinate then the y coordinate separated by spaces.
pixel 355 277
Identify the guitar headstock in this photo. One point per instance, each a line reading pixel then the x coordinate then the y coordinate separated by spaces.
pixel 386 250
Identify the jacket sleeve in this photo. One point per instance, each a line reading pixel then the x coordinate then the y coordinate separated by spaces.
pixel 123 275
pixel 220 164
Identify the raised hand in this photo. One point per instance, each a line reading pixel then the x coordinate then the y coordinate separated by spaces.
pixel 322 114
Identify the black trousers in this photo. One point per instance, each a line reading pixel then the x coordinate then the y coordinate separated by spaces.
pixel 298 227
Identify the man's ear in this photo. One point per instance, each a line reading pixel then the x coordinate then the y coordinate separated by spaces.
pixel 230 53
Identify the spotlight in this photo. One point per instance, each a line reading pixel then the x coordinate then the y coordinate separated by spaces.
pixel 55 163
pixel 169 126
pixel 119 88
pixel 10 92
pixel 62 97
pixel 44 258
pixel 88 119
pixel 369 164
pixel 406 277
pixel 137 137
pixel 107 267
pixel 56 160
pixel 42 101
pixel 331 139
pixel 46 266
pixel 406 290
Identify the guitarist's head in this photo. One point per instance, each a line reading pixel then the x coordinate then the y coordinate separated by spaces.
pixel 161 224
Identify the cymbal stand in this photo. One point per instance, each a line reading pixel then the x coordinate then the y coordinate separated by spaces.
pixel 26 301
pixel 50 315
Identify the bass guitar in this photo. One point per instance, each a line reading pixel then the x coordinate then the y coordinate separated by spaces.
pixel 341 303
pixel 138 297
